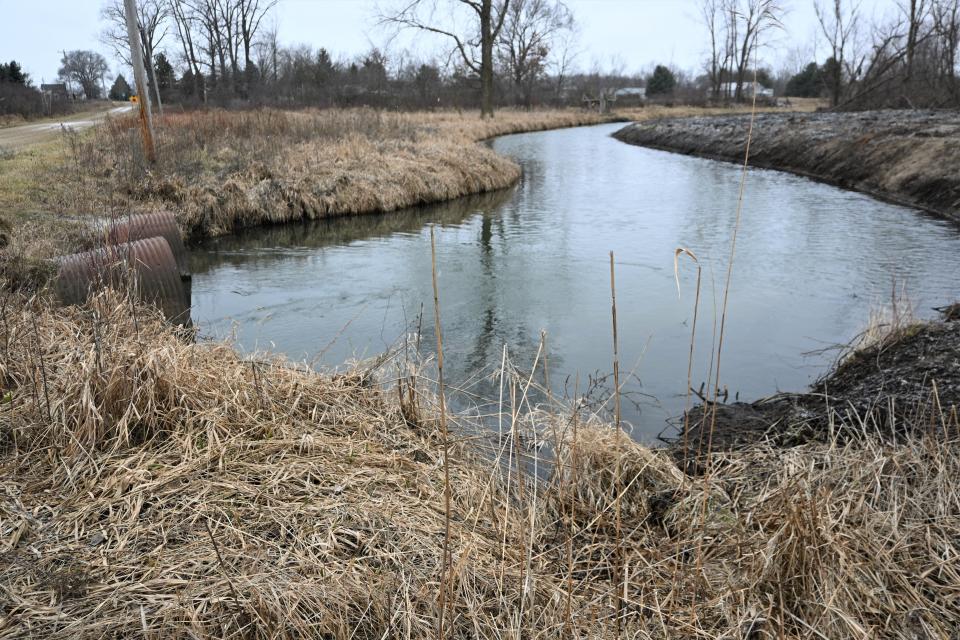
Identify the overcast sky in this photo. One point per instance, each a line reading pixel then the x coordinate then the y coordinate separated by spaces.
pixel 630 35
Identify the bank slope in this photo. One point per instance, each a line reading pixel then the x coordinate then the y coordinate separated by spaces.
pixel 910 158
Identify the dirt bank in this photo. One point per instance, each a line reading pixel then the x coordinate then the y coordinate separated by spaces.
pixel 907 157
pixel 905 381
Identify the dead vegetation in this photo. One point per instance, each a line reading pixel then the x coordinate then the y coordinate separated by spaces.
pixel 222 171
pixel 900 376
pixel 154 486
pixel 157 487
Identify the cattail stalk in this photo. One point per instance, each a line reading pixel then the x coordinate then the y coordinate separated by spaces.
pixel 445 570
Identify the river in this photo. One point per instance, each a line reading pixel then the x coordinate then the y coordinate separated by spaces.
pixel 811 262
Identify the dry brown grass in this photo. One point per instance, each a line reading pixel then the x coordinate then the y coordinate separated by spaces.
pixel 887 323
pixel 221 171
pixel 153 487
pixel 39 216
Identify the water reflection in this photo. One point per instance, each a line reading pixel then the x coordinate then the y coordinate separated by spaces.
pixel 811 260
pixel 271 243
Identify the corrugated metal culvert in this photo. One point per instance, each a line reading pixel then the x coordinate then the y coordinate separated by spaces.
pixel 148 225
pixel 147 265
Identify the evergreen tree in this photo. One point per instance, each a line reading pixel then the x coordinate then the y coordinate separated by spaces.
pixel 831 77
pixel 165 75
pixel 120 90
pixel 662 81
pixel 324 69
pixel 806 84
pixel 13 73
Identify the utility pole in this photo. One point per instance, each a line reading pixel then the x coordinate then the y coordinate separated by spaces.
pixel 140 74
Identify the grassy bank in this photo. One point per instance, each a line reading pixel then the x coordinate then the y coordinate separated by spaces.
pixel 222 171
pixel 908 157
pixel 153 487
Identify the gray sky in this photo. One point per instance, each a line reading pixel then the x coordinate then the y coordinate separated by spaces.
pixel 627 34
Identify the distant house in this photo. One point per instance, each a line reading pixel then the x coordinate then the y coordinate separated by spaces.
pixel 630 95
pixel 639 92
pixel 729 90
pixel 55 91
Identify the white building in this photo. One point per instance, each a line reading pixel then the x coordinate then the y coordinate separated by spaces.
pixel 637 93
pixel 729 90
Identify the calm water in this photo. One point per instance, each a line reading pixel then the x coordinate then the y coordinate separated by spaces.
pixel 811 261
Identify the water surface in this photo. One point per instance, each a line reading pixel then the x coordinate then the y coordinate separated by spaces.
pixel 811 261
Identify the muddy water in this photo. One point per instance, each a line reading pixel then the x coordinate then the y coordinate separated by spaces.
pixel 811 261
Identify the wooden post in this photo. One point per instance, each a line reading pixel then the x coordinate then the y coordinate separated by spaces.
pixel 140 74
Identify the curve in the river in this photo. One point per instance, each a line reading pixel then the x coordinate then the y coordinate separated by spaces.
pixel 812 260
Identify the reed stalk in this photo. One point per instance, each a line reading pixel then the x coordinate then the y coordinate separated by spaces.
pixel 619 582
pixel 446 566
pixel 571 505
pixel 693 336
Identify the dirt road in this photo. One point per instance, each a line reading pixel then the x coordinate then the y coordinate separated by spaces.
pixel 27 134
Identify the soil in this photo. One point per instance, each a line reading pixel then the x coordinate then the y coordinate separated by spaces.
pixel 907 157
pixel 909 381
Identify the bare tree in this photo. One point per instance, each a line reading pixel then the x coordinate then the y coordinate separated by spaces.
pixel 915 12
pixel 151 23
pixel 86 68
pixel 229 37
pixel 879 66
pixel 731 12
pixel 946 25
pixel 566 50
pixel 268 50
pixel 838 23
pixel 217 31
pixel 184 19
pixel 250 14
pixel 711 12
pixel 755 17
pixel 486 21
pixel 527 39
pixel 204 21
pixel 224 32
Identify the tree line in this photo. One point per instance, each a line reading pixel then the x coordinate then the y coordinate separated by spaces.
pixel 19 96
pixel 229 50
pixel 521 52
pixel 500 52
pixel 905 60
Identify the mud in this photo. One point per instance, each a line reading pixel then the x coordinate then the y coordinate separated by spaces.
pixel 907 157
pixel 908 382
